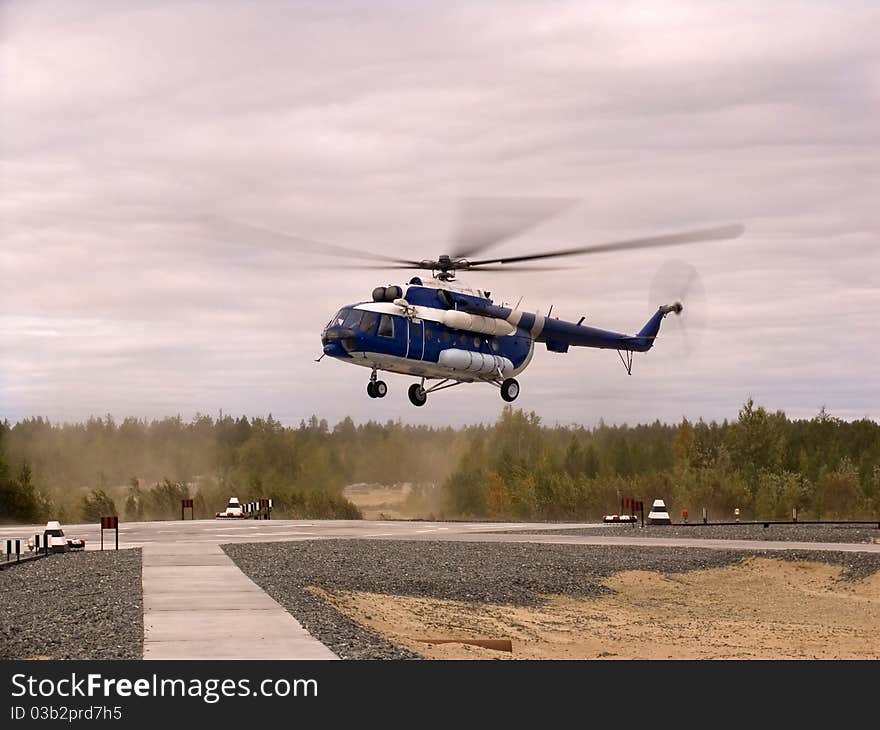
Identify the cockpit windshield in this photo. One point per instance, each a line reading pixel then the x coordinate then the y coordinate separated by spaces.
pixel 338 319
pixel 353 318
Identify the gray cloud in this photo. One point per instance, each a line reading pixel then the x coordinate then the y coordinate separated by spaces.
pixel 124 125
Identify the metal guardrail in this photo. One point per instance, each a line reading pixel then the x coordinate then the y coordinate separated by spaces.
pixel 40 550
pixel 20 559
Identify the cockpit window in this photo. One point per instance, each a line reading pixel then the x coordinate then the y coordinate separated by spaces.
pixel 55 533
pixel 338 319
pixel 386 326
pixel 353 318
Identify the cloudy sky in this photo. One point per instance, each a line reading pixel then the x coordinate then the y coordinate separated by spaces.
pixel 125 125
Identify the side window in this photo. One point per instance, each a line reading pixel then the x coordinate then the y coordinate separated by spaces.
pixel 386 326
pixel 368 323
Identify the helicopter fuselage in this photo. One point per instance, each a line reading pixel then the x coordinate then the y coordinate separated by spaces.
pixel 450 334
pixel 415 339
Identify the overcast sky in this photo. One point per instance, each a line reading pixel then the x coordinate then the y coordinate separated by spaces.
pixel 124 124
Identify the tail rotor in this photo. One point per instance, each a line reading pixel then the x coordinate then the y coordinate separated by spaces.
pixel 678 286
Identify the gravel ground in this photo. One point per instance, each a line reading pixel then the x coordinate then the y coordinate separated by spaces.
pixel 797 533
pixel 513 573
pixel 86 605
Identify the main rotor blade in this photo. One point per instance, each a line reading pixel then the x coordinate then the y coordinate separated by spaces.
pixel 487 221
pixel 511 270
pixel 672 239
pixel 283 242
pixel 381 267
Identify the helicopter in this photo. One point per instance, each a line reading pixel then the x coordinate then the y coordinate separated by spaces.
pixel 445 333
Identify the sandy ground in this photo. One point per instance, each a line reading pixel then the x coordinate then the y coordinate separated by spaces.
pixel 759 609
pixel 379 502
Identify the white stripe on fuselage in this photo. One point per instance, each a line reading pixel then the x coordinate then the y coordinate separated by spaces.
pixel 429 314
pixel 514 317
pixel 538 326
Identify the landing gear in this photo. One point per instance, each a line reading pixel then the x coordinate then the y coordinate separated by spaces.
pixel 509 390
pixel 376 388
pixel 417 395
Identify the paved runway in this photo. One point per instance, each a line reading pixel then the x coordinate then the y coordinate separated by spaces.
pixel 199 605
pixel 217 532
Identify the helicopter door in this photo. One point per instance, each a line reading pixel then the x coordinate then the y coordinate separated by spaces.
pixel 416 343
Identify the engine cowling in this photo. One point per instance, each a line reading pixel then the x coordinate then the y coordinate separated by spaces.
pixel 477 323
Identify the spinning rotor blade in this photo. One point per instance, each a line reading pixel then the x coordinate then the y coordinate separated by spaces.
pixel 677 281
pixel 672 239
pixel 509 269
pixel 487 221
pixel 283 242
pixel 423 265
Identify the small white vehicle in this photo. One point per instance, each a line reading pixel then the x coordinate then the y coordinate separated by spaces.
pixel 56 539
pixel 233 509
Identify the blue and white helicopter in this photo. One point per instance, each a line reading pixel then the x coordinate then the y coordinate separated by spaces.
pixel 446 334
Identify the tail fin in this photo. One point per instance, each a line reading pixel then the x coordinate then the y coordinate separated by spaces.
pixel 648 333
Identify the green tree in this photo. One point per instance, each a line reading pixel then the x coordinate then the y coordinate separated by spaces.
pixel 95 505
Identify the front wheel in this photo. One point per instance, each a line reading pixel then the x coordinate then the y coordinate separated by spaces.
pixel 371 389
pixel 509 390
pixel 417 395
pixel 380 389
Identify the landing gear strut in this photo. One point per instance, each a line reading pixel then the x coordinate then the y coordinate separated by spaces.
pixel 509 390
pixel 376 388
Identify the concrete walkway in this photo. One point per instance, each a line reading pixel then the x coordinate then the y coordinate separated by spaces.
pixel 199 605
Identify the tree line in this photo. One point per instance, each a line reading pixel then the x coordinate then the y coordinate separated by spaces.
pixel 762 462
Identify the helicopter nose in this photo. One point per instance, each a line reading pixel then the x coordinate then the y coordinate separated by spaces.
pixel 335 349
pixel 338 341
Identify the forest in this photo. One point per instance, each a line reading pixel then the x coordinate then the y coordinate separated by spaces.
pixel 760 462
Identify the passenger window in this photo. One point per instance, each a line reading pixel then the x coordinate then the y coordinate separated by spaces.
pixel 368 323
pixel 386 326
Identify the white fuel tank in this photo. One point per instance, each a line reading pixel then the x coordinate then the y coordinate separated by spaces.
pixel 474 362
pixel 477 323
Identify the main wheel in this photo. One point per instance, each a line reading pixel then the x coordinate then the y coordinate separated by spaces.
pixel 371 389
pixel 380 389
pixel 509 390
pixel 417 395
